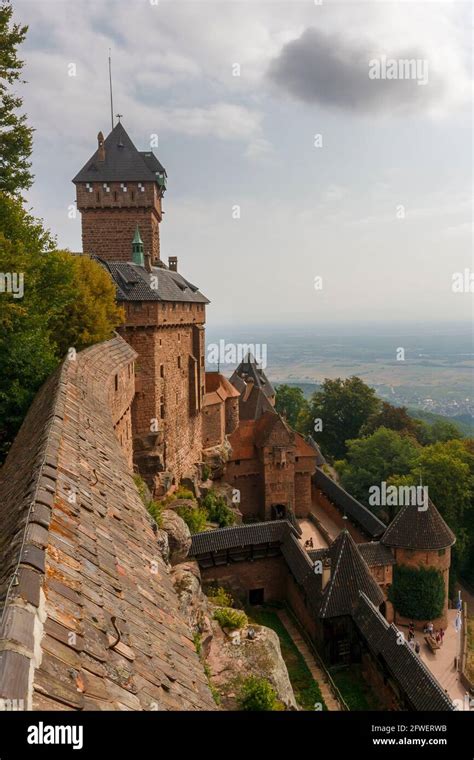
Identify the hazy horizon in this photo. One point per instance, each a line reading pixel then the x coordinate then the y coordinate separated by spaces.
pixel 286 162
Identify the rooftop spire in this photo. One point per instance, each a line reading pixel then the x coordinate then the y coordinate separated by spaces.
pixel 137 248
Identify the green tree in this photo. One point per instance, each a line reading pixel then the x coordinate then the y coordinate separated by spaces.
pixel 439 431
pixel 342 407
pixel 417 593
pixel 447 469
pixel 16 137
pixel 292 405
pixel 374 459
pixel 66 301
pixel 393 418
pixel 87 312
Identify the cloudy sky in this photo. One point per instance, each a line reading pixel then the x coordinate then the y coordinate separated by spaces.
pixel 364 182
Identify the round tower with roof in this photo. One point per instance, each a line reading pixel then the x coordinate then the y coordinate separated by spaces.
pixel 419 537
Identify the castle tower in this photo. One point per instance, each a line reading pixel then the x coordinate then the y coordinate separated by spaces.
pixel 164 323
pixel 119 188
pixel 119 193
pixel 419 537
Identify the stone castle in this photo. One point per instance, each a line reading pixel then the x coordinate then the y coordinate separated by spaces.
pixel 80 555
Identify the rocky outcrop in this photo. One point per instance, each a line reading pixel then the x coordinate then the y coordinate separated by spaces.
pixel 216 457
pixel 193 602
pixel 233 656
pixel 179 537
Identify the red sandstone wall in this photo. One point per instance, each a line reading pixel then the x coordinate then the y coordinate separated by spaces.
pixel 120 394
pixel 332 512
pixel 295 599
pixel 213 425
pixel 302 494
pixel 269 574
pixel 231 415
pixel 169 340
pixel 109 219
pixel 246 477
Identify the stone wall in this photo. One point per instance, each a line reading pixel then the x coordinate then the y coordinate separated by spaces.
pixel 109 219
pixel 302 493
pixel 267 573
pixel 231 415
pixel 213 424
pixel 166 414
pixel 334 513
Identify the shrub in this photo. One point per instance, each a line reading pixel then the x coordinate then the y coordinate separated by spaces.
pixel 219 596
pixel 417 593
pixel 205 472
pixel 183 493
pixel 257 694
pixel 230 618
pixel 195 519
pixel 154 508
pixel 218 510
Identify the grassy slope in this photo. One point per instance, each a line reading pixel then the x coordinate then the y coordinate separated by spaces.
pixel 305 688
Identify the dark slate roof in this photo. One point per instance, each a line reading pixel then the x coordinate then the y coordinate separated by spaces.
pixel 134 283
pixel 320 460
pixel 346 503
pixel 296 558
pixel 419 685
pixel 315 554
pixel 415 528
pixel 376 553
pixel 238 536
pixel 248 369
pixel 350 575
pixel 123 162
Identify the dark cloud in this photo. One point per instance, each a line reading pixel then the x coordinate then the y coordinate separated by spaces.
pixel 332 72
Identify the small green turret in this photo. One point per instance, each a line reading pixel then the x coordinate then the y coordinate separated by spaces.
pixel 137 248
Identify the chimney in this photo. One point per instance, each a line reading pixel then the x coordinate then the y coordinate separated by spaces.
pixel 148 261
pixel 173 263
pixel 100 140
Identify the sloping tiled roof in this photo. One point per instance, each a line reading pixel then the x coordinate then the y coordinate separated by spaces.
pixel 296 558
pixel 356 511
pixel 375 553
pixel 134 283
pixel 249 370
pixel 71 515
pixel 237 536
pixel 416 528
pixel 320 460
pixel 218 389
pixel 242 441
pixel 349 576
pixel 270 426
pixel 123 162
pixel 419 685
pixel 305 448
pixel 253 406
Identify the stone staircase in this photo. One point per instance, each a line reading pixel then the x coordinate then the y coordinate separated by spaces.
pixel 316 671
